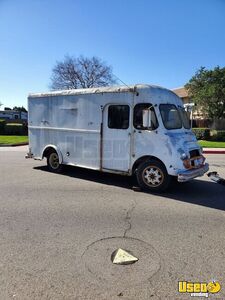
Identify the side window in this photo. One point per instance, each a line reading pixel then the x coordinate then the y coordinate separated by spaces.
pixel 118 116
pixel 138 116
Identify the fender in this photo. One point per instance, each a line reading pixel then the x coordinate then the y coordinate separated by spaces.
pixel 56 149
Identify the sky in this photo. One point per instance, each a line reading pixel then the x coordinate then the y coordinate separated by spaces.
pixel 160 42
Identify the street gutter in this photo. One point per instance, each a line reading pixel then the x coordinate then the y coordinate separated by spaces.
pixel 14 145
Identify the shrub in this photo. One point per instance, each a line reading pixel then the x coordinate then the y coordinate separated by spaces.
pixel 202 133
pixel 2 126
pixel 218 135
pixel 207 134
pixel 15 129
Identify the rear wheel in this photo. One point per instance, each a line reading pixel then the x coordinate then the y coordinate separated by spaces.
pixel 53 162
pixel 152 176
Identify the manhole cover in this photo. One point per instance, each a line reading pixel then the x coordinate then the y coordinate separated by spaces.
pixel 98 262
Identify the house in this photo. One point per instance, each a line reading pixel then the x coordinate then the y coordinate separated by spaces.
pixel 9 114
pixel 199 119
pixel 183 94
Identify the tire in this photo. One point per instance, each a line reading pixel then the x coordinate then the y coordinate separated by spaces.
pixel 152 176
pixel 53 162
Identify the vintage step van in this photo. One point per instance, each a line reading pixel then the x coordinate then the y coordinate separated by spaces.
pixel 140 129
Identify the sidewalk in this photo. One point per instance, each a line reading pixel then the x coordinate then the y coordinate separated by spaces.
pixel 214 150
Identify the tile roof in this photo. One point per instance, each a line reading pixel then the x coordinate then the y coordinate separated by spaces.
pixel 181 92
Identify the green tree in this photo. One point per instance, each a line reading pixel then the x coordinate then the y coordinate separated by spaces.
pixel 207 90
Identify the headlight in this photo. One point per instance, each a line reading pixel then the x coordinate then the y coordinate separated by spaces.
pixel 184 156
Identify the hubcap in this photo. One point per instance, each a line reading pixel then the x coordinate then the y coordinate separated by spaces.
pixel 54 160
pixel 153 176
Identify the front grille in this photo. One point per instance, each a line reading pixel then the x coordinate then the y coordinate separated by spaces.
pixel 194 153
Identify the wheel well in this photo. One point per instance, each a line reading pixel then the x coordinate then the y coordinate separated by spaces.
pixel 47 151
pixel 142 159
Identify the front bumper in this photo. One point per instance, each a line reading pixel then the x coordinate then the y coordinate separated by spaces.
pixel 190 174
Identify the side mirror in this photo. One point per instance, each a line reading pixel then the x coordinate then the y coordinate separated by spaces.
pixel 146 117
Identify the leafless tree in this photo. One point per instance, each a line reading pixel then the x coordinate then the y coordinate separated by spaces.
pixel 81 72
pixel 1 103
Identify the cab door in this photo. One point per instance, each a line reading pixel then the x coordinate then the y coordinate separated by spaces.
pixel 146 141
pixel 116 136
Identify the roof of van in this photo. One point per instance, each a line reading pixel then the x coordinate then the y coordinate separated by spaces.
pixel 96 90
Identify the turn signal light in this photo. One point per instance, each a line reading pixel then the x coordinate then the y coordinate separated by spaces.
pixel 187 163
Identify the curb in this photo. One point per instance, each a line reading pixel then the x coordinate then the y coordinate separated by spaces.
pixel 14 145
pixel 213 151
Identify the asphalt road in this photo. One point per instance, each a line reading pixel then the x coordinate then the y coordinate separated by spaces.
pixel 57 233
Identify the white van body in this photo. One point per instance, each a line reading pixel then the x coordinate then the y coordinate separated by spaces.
pixel 76 124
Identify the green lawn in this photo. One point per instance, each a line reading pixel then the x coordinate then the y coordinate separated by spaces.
pixel 13 139
pixel 211 144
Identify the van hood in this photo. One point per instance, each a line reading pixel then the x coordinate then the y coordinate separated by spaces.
pixel 183 141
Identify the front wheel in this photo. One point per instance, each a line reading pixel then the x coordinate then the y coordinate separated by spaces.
pixel 152 176
pixel 53 162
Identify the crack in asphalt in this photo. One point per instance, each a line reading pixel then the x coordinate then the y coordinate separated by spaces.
pixel 128 218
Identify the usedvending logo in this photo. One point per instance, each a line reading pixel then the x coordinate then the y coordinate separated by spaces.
pixel 199 289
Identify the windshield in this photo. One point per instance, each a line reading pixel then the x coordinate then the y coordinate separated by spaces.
pixel 174 118
pixel 184 117
pixel 170 116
